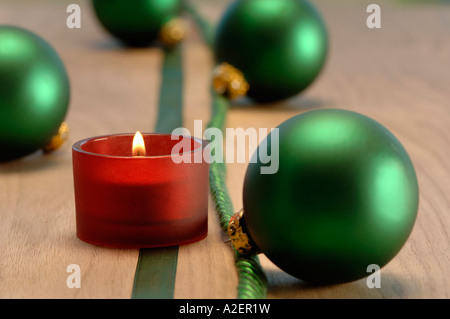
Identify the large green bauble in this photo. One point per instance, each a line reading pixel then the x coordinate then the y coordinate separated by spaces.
pixel 345 197
pixel 279 45
pixel 136 22
pixel 34 92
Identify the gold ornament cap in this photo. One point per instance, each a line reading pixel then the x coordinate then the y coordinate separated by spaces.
pixel 239 235
pixel 229 81
pixel 173 32
pixel 57 140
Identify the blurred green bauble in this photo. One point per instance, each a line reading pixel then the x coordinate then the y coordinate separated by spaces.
pixel 345 196
pixel 279 45
pixel 34 92
pixel 136 22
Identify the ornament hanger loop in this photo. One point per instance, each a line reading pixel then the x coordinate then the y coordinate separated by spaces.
pixel 173 32
pixel 238 233
pixel 229 81
pixel 57 140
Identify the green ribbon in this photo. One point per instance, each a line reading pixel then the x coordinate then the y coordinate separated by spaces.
pixel 155 273
pixel 170 111
pixel 156 268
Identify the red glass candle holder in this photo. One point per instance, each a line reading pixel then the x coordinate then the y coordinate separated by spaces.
pixel 126 201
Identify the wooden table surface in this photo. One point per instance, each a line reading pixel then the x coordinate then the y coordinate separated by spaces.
pixel 398 75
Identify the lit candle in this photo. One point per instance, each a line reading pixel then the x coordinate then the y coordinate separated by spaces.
pixel 130 193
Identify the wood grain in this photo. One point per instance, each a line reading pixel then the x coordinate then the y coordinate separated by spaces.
pixel 397 75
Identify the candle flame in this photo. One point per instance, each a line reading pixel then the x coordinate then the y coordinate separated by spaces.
pixel 138 145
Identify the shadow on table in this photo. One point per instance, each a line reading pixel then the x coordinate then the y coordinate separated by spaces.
pixel 297 103
pixel 282 285
pixel 33 162
pixel 112 44
pixel 427 2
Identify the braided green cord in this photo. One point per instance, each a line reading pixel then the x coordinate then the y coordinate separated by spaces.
pixel 206 29
pixel 252 279
pixel 217 172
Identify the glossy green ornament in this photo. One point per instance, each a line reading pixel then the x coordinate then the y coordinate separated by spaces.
pixel 136 22
pixel 345 196
pixel 279 45
pixel 34 92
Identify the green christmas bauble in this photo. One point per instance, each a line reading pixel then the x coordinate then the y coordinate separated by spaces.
pixel 280 46
pixel 34 92
pixel 136 22
pixel 345 196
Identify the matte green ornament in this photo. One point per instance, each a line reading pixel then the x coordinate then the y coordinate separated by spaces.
pixel 34 92
pixel 136 22
pixel 345 196
pixel 279 45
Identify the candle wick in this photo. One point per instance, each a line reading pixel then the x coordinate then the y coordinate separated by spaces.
pixel 139 152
